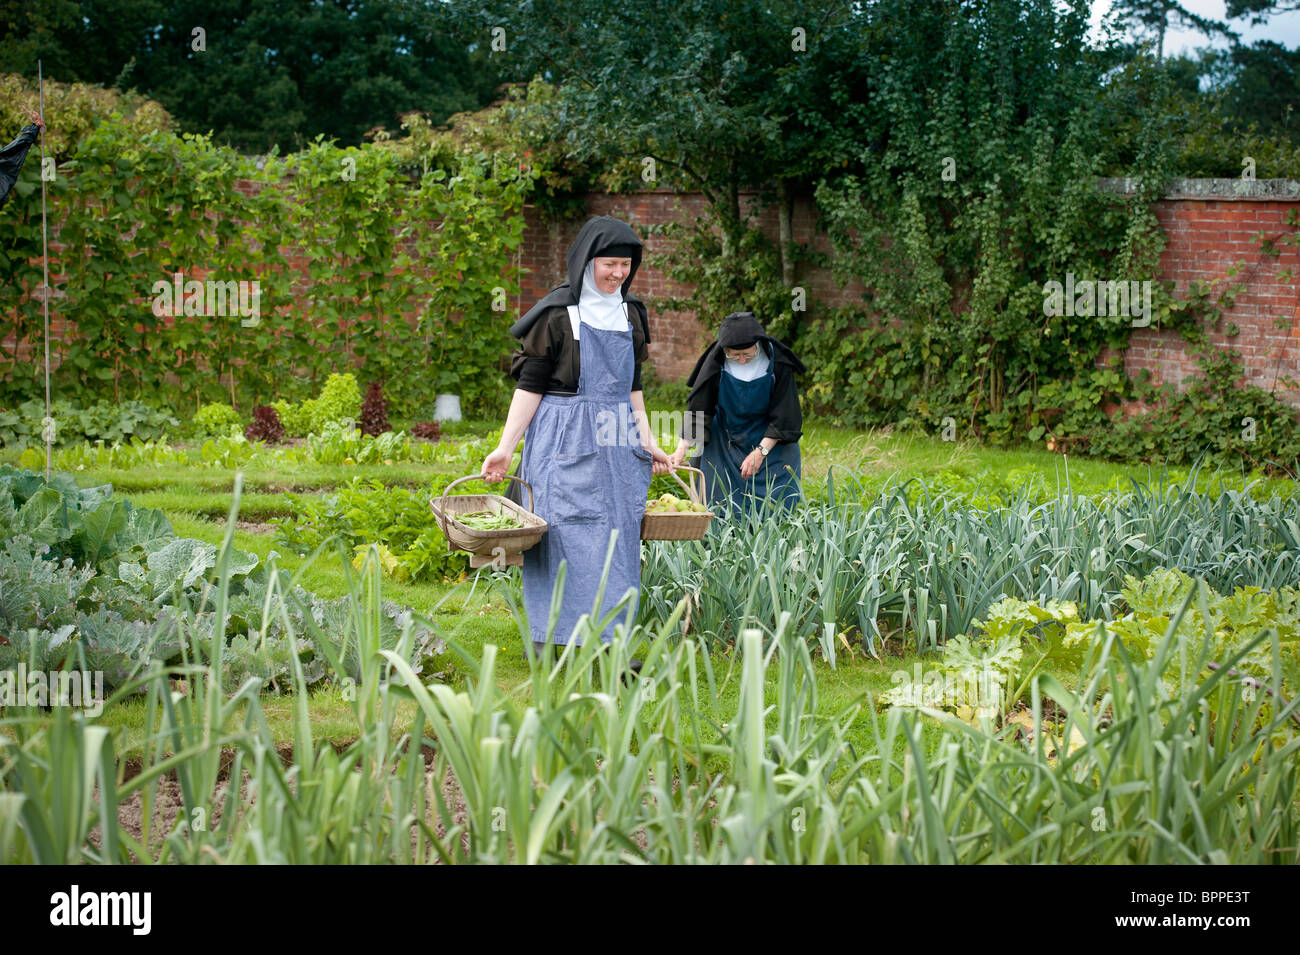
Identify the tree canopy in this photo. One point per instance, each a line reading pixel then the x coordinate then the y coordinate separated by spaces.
pixel 258 73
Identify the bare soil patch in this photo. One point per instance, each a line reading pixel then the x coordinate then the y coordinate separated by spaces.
pixel 168 802
pixel 254 527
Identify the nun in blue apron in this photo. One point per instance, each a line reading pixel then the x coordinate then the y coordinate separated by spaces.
pixel 589 451
pixel 744 411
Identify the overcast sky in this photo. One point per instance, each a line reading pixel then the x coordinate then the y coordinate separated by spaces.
pixel 1282 28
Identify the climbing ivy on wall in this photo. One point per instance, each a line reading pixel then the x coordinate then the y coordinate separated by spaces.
pixel 396 269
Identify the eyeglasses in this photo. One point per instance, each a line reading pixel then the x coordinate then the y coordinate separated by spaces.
pixel 742 355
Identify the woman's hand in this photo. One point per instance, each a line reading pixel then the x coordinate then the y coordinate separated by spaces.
pixel 662 463
pixel 36 118
pixel 496 464
pixel 753 461
pixel 678 457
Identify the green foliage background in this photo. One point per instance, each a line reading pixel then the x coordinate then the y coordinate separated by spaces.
pixel 394 266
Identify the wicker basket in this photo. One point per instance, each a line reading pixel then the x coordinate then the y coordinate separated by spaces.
pixel 483 544
pixel 681 526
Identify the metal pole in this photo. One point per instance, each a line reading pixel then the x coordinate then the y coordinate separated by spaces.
pixel 45 265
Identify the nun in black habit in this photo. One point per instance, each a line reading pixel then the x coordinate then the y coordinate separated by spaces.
pixel 13 155
pixel 743 410
pixel 589 451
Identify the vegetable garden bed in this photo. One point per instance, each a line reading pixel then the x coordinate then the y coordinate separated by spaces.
pixel 936 564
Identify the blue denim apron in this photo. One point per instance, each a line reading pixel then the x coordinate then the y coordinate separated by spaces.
pixel 739 424
pixel 582 455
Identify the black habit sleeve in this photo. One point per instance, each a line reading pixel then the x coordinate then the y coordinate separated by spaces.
pixel 785 418
pixel 534 363
pixel 642 341
pixel 697 422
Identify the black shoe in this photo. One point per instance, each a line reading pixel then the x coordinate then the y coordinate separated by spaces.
pixel 633 670
pixel 539 650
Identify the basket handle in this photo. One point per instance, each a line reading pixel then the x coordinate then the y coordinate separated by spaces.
pixel 442 501
pixel 695 475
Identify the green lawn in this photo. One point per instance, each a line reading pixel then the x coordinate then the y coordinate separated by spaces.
pixel 876 456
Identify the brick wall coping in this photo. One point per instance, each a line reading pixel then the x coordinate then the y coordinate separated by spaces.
pixel 1210 189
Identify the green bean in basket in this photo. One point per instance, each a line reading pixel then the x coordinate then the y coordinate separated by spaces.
pixel 489 520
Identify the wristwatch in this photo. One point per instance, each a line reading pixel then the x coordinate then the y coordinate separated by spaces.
pixel 762 450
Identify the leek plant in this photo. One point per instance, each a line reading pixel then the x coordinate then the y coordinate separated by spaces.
pixel 239 801
pixel 928 564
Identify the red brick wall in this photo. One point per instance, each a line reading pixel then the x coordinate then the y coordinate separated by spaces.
pixel 1206 237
